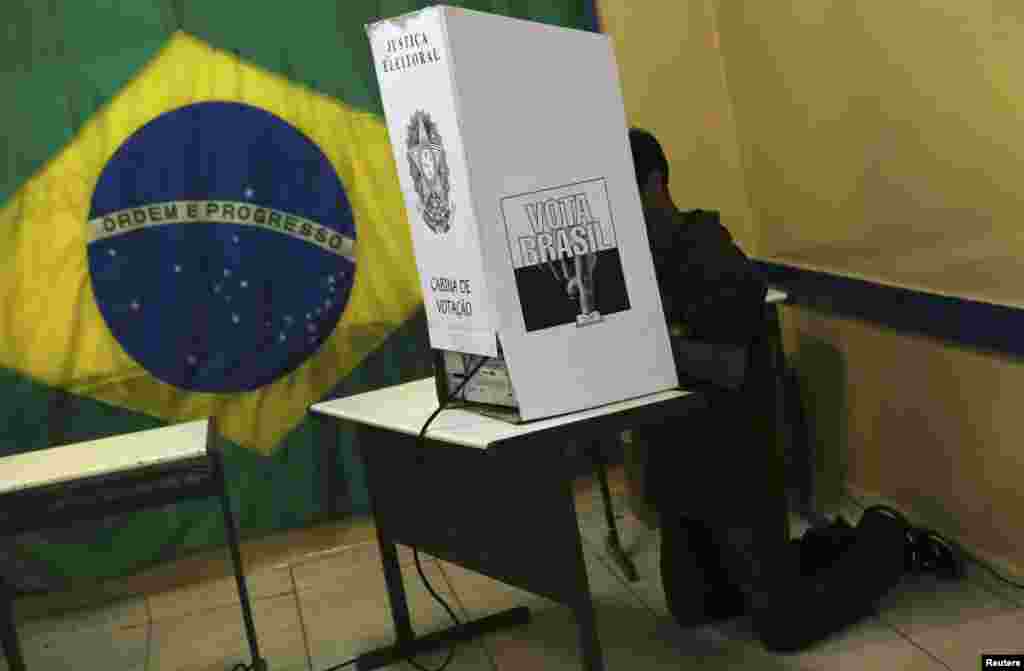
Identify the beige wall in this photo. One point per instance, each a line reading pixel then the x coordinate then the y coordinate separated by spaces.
pixel 782 124
pixel 933 428
pixel 673 86
pixel 885 139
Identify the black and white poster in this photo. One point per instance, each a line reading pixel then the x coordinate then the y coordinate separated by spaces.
pixel 565 255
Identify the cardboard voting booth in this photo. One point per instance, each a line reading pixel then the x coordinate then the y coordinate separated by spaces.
pixel 511 144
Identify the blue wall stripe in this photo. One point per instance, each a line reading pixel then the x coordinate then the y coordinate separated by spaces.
pixel 956 320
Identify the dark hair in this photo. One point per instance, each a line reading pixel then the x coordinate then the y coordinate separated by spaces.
pixel 648 155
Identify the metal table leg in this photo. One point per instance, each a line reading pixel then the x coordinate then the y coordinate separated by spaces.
pixel 586 617
pixel 8 630
pixel 613 542
pixel 258 663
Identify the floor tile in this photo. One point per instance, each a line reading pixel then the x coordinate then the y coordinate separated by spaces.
pixel 480 595
pixel 604 575
pixel 633 533
pixel 351 615
pixel 297 545
pixel 330 567
pixel 55 646
pixel 648 586
pixel 989 581
pixel 631 634
pixel 631 639
pixel 919 603
pixel 215 639
pixel 81 597
pixel 636 538
pixel 642 545
pixel 867 644
pixel 468 656
pixel 960 646
pixel 588 492
pixel 896 654
pixel 275 550
pixel 200 595
pixel 590 510
pixel 122 614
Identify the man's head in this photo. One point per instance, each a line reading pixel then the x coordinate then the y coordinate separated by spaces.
pixel 651 169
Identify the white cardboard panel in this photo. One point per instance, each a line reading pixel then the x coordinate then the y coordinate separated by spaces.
pixel 549 201
pixel 413 62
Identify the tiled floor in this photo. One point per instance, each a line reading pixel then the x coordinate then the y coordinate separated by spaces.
pixel 319 600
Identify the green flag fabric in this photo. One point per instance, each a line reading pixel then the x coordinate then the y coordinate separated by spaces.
pixel 200 216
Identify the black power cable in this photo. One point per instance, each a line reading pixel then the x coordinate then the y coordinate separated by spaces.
pixel 416 552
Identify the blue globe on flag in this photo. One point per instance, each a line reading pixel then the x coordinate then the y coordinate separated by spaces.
pixel 221 247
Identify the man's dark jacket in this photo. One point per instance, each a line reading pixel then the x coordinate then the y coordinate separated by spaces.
pixel 719 464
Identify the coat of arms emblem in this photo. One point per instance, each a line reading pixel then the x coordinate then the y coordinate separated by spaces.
pixel 429 169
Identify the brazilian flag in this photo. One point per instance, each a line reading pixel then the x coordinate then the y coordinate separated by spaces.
pixel 200 216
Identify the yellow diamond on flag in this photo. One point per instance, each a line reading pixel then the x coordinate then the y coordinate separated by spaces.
pixel 217 240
